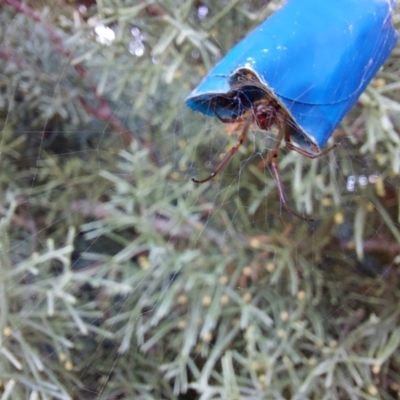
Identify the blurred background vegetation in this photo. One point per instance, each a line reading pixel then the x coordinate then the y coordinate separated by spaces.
pixel 121 279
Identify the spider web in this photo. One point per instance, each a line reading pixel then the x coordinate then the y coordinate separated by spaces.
pixel 123 279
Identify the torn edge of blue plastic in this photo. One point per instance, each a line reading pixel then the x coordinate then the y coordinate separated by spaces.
pixel 313 57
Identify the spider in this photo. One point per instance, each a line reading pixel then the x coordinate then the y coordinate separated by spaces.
pixel 265 113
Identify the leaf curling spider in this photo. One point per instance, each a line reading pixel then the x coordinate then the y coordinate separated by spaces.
pixel 265 113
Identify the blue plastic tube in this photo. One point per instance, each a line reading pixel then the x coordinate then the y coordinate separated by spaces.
pixel 313 58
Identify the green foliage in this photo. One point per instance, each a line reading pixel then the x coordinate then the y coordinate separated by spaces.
pixel 120 278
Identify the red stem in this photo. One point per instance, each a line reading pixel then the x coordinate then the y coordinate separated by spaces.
pixel 104 112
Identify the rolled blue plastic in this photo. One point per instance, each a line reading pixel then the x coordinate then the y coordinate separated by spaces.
pixel 314 57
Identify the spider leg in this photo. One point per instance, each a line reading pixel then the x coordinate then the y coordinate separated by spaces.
pixel 282 196
pixel 230 153
pixel 306 153
pixel 271 153
pixel 272 160
pixel 225 120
